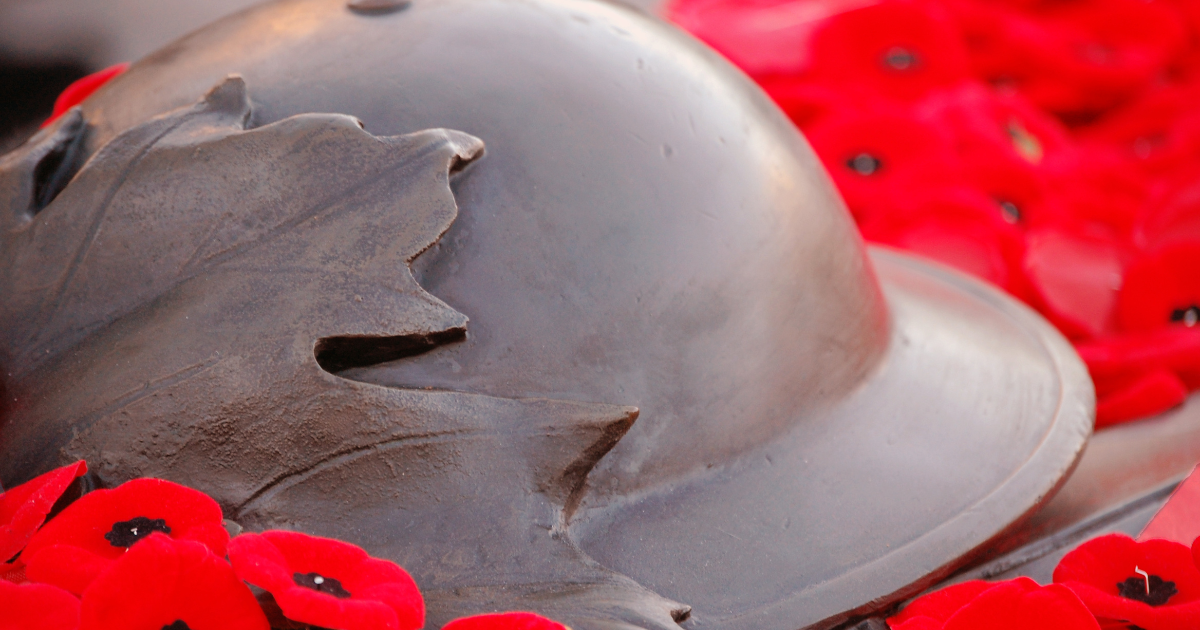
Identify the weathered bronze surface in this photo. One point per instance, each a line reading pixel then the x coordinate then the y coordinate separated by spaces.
pixel 220 295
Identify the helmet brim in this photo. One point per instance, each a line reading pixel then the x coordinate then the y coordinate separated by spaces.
pixel 973 420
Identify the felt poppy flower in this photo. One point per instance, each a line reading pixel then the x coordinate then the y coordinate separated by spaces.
pixel 78 91
pixel 1096 185
pixel 1075 277
pixel 987 122
pixel 762 37
pixel 876 157
pixel 83 540
pixel 327 582
pixel 1072 59
pixel 1153 585
pixel 900 49
pixel 1150 131
pixel 1140 374
pixel 1162 289
pixel 37 607
pixel 1172 210
pixel 1139 395
pixel 24 508
pixel 1123 44
pixel 1126 356
pixel 958 226
pixel 977 605
pixel 806 103
pixel 166 583
pixel 932 610
pixel 505 621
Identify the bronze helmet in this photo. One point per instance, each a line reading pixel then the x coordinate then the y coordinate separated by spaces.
pixel 643 366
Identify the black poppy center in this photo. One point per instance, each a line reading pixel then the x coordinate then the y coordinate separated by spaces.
pixel 321 584
pixel 864 164
pixel 178 625
pixel 1010 211
pixel 1189 316
pixel 899 58
pixel 1148 590
pixel 125 533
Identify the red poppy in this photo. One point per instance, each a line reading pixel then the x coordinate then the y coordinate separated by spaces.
pixel 806 103
pixel 1075 278
pixel 71 550
pixel 988 122
pixel 78 91
pixel 37 607
pixel 1096 185
pixel 932 610
pixel 1125 357
pixel 958 226
pixel 505 621
pixel 763 37
pixel 327 582
pixel 24 508
pixel 900 49
pixel 1139 374
pixel 977 605
pixel 175 584
pixel 1143 394
pixel 1072 58
pixel 1162 290
pixel 1153 132
pixel 1172 211
pixel 875 157
pixel 1153 585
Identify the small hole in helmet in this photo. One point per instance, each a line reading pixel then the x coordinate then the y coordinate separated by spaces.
pixel 378 7
pixel 59 164
pixel 459 164
pixel 335 354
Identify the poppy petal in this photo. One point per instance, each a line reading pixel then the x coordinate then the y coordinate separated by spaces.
pixel 977 605
pixel 1021 603
pixel 1075 279
pixel 66 566
pixel 160 581
pixel 940 605
pixel 40 606
pixel 24 508
pixel 505 621
pixel 78 91
pixel 1150 394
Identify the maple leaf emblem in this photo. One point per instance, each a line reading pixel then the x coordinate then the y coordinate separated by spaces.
pixel 179 310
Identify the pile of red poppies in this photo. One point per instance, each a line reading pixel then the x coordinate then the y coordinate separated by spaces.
pixel 1051 147
pixel 1108 582
pixel 154 555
